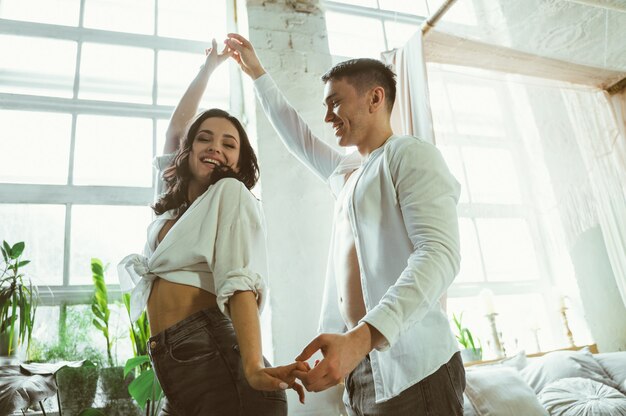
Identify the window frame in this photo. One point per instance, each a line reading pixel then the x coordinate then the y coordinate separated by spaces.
pixel 70 194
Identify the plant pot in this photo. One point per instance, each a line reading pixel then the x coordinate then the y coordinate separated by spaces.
pixel 470 354
pixel 4 344
pixel 113 384
pixel 77 388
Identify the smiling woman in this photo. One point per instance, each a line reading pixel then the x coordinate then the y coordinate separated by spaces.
pixel 202 275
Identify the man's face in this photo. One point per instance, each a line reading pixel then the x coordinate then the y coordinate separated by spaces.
pixel 347 111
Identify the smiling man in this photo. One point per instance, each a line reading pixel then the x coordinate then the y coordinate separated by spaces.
pixel 394 249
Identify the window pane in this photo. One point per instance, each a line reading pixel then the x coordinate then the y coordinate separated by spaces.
pixel 507 249
pixel 443 119
pixel 116 73
pixel 471 264
pixel 114 151
pixel 42 229
pixel 107 232
pixel 452 156
pixel 410 7
pixel 160 135
pixel 178 69
pixel 31 153
pixel 398 33
pixel 347 38
pixel 518 318
pixel 491 175
pixel 37 66
pixel 477 109
pixel 45 331
pixel 193 19
pixel 60 12
pixel 135 16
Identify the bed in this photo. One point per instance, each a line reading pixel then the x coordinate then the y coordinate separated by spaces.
pixel 572 382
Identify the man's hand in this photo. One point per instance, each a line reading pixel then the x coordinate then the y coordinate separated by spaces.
pixel 342 353
pixel 244 55
pixel 277 378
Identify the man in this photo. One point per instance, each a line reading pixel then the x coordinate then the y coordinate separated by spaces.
pixel 394 249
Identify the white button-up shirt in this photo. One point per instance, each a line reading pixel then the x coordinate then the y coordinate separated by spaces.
pixel 403 216
pixel 217 245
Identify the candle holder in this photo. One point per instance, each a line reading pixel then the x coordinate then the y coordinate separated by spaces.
pixel 497 336
pixel 568 331
pixel 535 332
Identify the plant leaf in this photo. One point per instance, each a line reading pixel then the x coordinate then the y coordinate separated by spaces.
pixel 141 388
pixel 23 263
pixel 131 363
pixel 17 250
pixel 7 248
pixel 97 325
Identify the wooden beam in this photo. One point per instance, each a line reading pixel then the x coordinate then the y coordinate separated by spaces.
pixel 618 87
pixel 445 48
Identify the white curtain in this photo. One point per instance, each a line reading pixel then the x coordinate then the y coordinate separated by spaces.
pixel 599 131
pixel 411 113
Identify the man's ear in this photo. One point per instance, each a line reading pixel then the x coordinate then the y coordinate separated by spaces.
pixel 377 99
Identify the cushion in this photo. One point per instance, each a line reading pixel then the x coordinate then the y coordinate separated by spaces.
pixel 556 365
pixel 614 364
pixel 500 391
pixel 582 397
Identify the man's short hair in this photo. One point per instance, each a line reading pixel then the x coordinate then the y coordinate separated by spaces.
pixel 365 73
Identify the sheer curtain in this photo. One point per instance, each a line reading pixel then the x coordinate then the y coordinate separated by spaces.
pixel 599 132
pixel 411 113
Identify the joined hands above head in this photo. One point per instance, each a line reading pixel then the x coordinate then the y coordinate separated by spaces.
pixel 242 51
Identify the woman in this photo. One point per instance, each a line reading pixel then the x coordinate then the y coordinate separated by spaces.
pixel 201 276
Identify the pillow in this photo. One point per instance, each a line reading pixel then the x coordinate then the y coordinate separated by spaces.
pixel 614 364
pixel 582 397
pixel 500 391
pixel 556 365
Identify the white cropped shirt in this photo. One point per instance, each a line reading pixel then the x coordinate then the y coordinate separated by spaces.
pixel 217 245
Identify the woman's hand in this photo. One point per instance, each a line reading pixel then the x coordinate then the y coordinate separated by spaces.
pixel 244 55
pixel 277 378
pixel 213 58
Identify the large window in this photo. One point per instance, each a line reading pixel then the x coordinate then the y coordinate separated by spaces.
pixel 86 91
pixel 503 242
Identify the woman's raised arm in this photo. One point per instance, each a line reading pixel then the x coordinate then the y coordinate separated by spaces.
pixel 188 105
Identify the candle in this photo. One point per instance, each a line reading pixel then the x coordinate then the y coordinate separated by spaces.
pixel 486 296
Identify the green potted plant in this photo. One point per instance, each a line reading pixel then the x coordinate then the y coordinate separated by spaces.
pixel 465 338
pixel 113 381
pixel 145 388
pixel 76 386
pixel 18 301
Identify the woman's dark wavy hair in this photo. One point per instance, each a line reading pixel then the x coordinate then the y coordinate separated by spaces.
pixel 178 175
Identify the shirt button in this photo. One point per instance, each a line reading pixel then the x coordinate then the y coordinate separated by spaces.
pixel 153 344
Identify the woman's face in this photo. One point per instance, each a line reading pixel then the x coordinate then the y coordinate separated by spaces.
pixel 216 143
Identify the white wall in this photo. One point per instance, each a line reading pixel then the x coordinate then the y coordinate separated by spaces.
pixel 293 47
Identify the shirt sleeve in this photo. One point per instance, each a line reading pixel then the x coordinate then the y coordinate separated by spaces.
pixel 239 261
pixel 427 194
pixel 295 134
pixel 160 163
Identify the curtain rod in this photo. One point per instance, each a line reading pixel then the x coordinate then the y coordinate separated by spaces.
pixel 433 19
